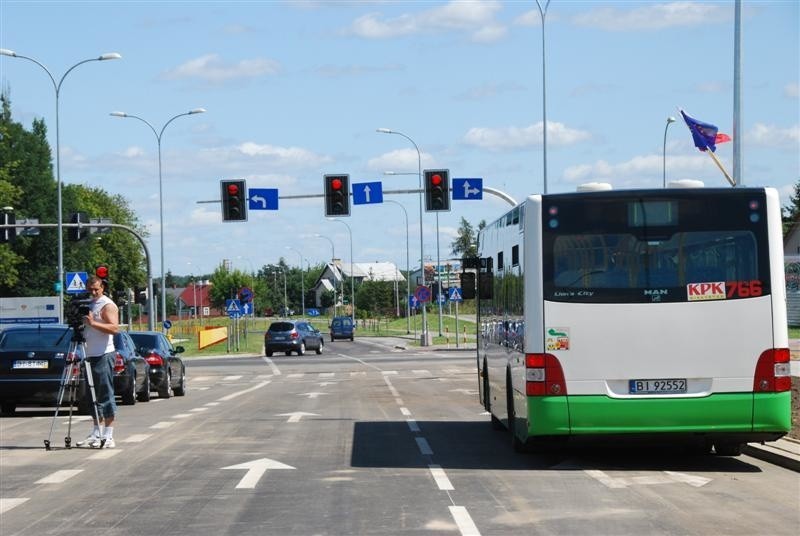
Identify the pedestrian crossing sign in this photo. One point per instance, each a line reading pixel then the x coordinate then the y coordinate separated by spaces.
pixel 455 294
pixel 76 282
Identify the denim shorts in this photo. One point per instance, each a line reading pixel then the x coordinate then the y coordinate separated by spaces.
pixel 103 376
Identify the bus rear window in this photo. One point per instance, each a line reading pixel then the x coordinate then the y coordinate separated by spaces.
pixel 641 251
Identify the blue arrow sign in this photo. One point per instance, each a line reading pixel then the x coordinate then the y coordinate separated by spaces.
pixel 246 309
pixel 467 189
pixel 263 199
pixel 312 312
pixel 367 193
pixel 413 302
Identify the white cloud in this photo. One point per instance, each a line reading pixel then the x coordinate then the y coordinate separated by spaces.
pixel 476 17
pixel 655 16
pixel 400 161
pixel 773 136
pixel 212 68
pixel 641 170
pixel 791 90
pixel 133 152
pixel 513 138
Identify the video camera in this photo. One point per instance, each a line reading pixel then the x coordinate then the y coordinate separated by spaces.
pixel 78 307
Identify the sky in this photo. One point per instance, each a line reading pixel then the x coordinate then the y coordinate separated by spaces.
pixel 296 90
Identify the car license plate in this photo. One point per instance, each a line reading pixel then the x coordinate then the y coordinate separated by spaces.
pixel 665 386
pixel 30 364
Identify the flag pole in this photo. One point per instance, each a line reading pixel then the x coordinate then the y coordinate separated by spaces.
pixel 719 165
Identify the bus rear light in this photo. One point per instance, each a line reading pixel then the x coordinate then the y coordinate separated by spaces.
pixel 772 371
pixel 544 376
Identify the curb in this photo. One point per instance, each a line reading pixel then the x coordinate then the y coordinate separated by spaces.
pixel 783 452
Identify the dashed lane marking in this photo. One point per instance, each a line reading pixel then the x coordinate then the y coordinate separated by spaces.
pixel 440 477
pixel 162 425
pixel 424 447
pixel 137 438
pixel 59 476
pixel 231 378
pixel 11 502
pixel 464 521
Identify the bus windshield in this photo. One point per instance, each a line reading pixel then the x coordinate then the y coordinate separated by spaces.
pixel 626 249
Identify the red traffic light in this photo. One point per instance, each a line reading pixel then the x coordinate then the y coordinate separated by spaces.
pixel 233 189
pixel 436 180
pixel 336 184
pixel 101 271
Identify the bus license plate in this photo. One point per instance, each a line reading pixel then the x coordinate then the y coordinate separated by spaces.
pixel 30 364
pixel 666 386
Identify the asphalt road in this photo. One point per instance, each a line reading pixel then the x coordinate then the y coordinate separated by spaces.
pixel 364 439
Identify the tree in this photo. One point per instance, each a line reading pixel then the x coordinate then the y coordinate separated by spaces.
pixel 791 212
pixel 466 244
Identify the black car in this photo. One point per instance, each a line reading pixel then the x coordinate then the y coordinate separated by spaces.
pixel 131 371
pixel 167 372
pixel 292 336
pixel 32 362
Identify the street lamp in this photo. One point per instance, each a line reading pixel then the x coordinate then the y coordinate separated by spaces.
pixel 302 281
pixel 424 341
pixel 408 273
pixel 333 256
pixel 543 12
pixel 160 194
pixel 670 120
pixel 57 87
pixel 352 275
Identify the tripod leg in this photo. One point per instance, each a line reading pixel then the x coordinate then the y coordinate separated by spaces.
pixel 66 377
pixel 95 404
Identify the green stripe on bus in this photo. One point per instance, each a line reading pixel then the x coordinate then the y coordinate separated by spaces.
pixel 728 412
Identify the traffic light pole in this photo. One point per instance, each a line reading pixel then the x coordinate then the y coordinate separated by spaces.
pixel 80 226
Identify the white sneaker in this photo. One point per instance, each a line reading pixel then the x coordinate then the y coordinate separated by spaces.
pixel 91 441
pixel 109 444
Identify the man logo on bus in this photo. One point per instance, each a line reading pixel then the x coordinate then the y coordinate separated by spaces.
pixel 705 291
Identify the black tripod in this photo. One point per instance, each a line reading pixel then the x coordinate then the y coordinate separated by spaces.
pixel 70 384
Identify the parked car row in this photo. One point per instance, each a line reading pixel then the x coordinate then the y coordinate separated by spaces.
pixel 33 359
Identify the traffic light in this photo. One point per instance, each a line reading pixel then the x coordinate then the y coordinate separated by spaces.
pixel 101 271
pixel 337 195
pixel 76 233
pixel 234 200
pixel 437 190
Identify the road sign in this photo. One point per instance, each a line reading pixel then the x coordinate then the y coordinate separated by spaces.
pixel 167 324
pixel 413 301
pixel 233 308
pixel 245 294
pixel 76 282
pixel 441 298
pixel 367 193
pixel 247 308
pixel 467 189
pixel 263 199
pixel 423 293
pixel 312 312
pixel 455 294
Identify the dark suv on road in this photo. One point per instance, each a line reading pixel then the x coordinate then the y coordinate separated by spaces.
pixel 292 336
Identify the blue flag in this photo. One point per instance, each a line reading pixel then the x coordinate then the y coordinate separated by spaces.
pixel 705 135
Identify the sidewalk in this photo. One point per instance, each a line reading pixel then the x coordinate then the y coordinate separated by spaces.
pixel 783 452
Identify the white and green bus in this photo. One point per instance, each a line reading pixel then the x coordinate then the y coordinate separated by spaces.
pixel 608 314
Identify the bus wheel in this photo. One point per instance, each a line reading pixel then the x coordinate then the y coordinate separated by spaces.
pixel 728 449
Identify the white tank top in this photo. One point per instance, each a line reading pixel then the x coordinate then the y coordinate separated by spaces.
pixel 98 342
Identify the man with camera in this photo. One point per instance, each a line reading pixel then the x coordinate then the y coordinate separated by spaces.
pixel 100 325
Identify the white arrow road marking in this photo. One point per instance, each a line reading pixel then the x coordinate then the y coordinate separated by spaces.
pixel 8 504
pixel 255 470
pixel 311 395
pixel 297 415
pixel 59 476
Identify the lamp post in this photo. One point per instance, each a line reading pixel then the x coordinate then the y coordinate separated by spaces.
pixel 408 273
pixel 670 120
pixel 302 281
pixel 543 13
pixel 160 194
pixel 60 216
pixel 424 341
pixel 333 256
pixel 352 275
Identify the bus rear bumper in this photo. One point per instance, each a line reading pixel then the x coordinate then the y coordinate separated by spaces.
pixel 744 417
